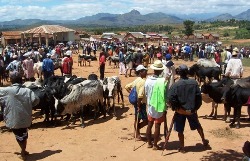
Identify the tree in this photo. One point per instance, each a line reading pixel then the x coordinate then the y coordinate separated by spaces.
pixel 188 25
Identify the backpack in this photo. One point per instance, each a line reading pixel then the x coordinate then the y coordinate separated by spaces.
pixel 133 96
pixel 66 66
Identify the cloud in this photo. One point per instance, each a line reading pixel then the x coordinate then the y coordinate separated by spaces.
pixel 74 9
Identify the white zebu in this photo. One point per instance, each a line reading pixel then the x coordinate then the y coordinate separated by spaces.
pixel 112 87
pixel 38 69
pixel 88 92
pixel 207 63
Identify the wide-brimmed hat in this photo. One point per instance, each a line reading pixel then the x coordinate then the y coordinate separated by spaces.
pixel 234 53
pixel 228 48
pixel 236 49
pixel 157 65
pixel 140 67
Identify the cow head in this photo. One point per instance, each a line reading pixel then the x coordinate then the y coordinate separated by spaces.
pixel 112 87
pixel 59 107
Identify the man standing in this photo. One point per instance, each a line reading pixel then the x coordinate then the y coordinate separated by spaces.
pixel 140 107
pixel 234 67
pixel 155 90
pixel 102 60
pixel 185 99
pixel 18 102
pixel 47 67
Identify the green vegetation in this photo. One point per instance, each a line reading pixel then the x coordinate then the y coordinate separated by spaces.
pixel 188 25
pixel 246 62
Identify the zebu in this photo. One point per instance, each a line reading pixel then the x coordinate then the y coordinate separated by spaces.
pixel 89 92
pixel 112 87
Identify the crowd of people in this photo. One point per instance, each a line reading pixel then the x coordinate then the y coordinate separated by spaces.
pixel 155 93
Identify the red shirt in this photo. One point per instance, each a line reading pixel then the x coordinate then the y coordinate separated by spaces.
pixel 102 60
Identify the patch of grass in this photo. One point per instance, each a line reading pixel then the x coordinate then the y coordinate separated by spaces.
pixel 225 133
pixel 246 62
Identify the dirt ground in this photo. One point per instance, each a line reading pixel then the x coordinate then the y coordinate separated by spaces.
pixel 111 139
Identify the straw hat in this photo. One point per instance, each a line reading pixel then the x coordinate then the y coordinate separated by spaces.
pixel 236 49
pixel 228 48
pixel 157 65
pixel 234 53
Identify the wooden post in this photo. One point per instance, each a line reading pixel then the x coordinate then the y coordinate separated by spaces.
pixel 40 39
pixel 22 38
pixel 47 39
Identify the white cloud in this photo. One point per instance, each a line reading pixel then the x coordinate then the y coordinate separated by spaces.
pixel 64 9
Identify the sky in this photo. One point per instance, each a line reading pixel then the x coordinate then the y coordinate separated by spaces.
pixel 74 9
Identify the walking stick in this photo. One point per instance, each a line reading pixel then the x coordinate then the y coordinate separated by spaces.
pixel 169 132
pixel 137 118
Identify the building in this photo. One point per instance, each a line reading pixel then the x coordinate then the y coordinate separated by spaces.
pixel 10 37
pixel 58 34
pixel 135 37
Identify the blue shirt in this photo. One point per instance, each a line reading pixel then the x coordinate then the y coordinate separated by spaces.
pixel 48 65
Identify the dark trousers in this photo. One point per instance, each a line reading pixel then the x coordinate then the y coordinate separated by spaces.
pixel 47 74
pixel 102 69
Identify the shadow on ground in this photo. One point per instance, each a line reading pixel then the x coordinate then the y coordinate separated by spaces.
pixel 226 155
pixel 42 155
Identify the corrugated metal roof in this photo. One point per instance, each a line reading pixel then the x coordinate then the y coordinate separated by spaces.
pixel 50 29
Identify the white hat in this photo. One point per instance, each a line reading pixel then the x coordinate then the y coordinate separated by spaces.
pixel 157 65
pixel 234 53
pixel 48 54
pixel 236 49
pixel 140 67
pixel 15 56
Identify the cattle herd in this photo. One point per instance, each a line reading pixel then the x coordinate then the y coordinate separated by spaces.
pixel 71 95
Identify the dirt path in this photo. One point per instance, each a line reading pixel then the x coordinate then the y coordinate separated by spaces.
pixel 111 138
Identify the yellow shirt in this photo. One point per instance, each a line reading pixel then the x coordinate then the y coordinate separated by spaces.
pixel 139 83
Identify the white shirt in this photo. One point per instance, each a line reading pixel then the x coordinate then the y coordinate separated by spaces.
pixel 234 68
pixel 229 55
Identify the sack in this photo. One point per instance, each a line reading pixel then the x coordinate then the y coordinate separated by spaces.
pixel 133 96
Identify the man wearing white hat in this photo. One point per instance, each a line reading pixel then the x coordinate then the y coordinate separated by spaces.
pixel 155 90
pixel 140 107
pixel 234 67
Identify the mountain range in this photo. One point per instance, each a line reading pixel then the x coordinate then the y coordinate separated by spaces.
pixel 131 18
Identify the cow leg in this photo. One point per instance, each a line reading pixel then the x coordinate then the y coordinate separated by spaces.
pixel 238 109
pixel 122 98
pixel 234 117
pixel 212 112
pixel 227 110
pixel 215 114
pixel 114 105
pixel 102 106
pixel 82 118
